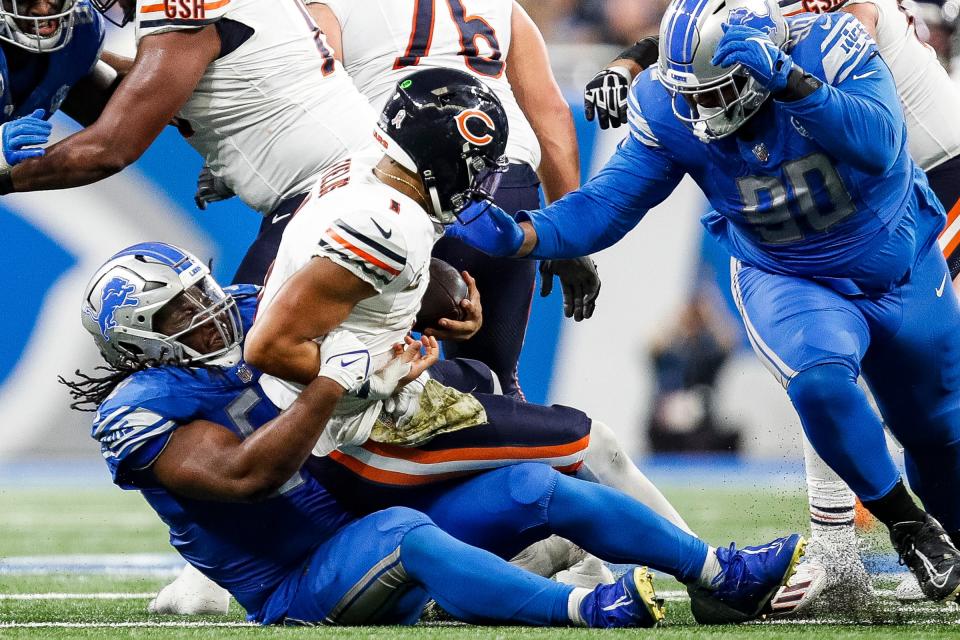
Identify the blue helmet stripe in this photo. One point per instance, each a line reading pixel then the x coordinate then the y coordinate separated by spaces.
pixel 161 252
pixel 682 31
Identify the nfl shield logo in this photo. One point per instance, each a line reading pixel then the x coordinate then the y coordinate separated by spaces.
pixel 760 150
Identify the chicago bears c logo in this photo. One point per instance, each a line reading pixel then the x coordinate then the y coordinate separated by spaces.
pixel 117 293
pixel 463 125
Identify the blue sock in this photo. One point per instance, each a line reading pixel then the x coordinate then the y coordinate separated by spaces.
pixel 619 529
pixel 843 428
pixel 476 586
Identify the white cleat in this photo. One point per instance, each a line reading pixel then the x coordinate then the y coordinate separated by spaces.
pixel 909 590
pixel 191 594
pixel 588 573
pixel 806 584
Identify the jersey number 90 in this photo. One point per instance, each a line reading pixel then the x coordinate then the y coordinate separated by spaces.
pixel 471 28
pixel 820 197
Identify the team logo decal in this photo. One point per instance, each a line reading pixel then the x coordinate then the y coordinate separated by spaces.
pixel 756 16
pixel 117 293
pixel 463 125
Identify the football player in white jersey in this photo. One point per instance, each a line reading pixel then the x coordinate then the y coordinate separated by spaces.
pixel 930 102
pixel 254 88
pixel 381 42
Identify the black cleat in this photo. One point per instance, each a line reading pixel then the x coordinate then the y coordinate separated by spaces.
pixel 925 548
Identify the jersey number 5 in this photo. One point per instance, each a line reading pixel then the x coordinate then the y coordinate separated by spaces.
pixel 471 28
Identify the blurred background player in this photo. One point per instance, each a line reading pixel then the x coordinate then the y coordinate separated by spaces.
pixel 181 418
pixel 255 90
pixel 381 42
pixel 720 107
pixel 930 100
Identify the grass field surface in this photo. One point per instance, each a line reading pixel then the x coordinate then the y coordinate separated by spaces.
pixel 58 579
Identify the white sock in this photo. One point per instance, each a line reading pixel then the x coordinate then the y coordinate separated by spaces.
pixel 549 556
pixel 832 505
pixel 606 463
pixel 573 606
pixel 710 570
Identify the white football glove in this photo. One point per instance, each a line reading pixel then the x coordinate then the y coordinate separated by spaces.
pixel 345 360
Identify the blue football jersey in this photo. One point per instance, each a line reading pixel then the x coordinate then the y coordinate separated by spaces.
pixel 63 69
pixel 246 548
pixel 790 196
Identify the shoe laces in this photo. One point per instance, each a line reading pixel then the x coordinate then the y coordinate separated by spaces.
pixel 736 568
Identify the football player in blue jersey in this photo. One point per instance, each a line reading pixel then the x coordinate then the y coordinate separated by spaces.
pixel 793 129
pixel 182 418
pixel 49 58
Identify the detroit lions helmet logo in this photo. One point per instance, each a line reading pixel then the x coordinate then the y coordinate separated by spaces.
pixel 756 16
pixel 116 293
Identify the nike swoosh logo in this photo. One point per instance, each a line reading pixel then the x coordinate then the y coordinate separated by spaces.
pixel 344 363
pixel 943 285
pixel 622 601
pixel 384 232
pixel 277 217
pixel 937 579
pixel 864 75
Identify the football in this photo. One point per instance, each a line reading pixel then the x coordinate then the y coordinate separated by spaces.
pixel 443 296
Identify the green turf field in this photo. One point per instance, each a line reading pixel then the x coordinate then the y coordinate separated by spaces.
pixel 44 522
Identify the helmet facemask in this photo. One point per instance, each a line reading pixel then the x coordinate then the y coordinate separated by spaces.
pixel 114 12
pixel 37 33
pixel 205 303
pixel 483 180
pixel 715 109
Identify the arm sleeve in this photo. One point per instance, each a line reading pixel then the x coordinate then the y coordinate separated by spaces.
pixel 638 177
pixel 855 115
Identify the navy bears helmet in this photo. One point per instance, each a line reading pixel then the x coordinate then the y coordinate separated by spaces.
pixel 451 130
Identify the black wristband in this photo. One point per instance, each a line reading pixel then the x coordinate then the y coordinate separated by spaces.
pixel 644 53
pixel 6 183
pixel 800 84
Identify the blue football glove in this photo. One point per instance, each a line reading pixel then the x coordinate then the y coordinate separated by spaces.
pixel 490 229
pixel 754 50
pixel 17 135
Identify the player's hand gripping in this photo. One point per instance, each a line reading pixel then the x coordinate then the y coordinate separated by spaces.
pixel 490 229
pixel 605 97
pixel 344 359
pixel 579 281
pixel 409 361
pixel 210 188
pixel 20 138
pixel 461 329
pixel 752 48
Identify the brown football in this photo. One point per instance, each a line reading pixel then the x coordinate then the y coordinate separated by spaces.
pixel 443 296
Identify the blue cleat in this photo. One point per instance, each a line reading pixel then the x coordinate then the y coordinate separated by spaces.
pixel 628 602
pixel 748 581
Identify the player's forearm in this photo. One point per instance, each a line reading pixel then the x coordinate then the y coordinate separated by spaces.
pixel 267 459
pixel 606 208
pixel 560 157
pixel 76 161
pixel 285 358
pixel 866 109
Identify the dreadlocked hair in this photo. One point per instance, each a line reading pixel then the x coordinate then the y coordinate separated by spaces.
pixel 90 390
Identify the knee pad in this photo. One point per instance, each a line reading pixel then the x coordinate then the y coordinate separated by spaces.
pixel 821 386
pixel 531 483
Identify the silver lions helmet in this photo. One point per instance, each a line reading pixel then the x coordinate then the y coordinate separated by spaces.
pixel 24 24
pixel 154 303
pixel 711 100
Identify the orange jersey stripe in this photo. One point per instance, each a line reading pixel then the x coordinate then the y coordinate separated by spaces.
pixel 161 6
pixel 955 240
pixel 363 254
pixel 382 476
pixel 477 453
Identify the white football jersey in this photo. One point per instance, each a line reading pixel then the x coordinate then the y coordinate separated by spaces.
pixel 375 232
pixel 385 41
pixel 271 114
pixel 930 99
